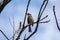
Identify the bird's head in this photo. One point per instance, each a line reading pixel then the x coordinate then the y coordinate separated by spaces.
pixel 28 14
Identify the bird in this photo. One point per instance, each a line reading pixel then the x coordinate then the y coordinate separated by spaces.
pixel 30 20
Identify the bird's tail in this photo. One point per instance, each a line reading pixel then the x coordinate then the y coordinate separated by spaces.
pixel 32 24
pixel 30 29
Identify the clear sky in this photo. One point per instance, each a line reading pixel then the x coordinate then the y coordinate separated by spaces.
pixel 17 8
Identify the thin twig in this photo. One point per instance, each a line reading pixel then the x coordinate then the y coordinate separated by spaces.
pixel 20 25
pixel 45 21
pixel 36 22
pixel 4 35
pixel 44 18
pixel 44 8
pixel 13 25
pixel 56 18
pixel 41 7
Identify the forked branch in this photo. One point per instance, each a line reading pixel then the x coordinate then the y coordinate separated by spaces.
pixel 39 16
pixel 24 20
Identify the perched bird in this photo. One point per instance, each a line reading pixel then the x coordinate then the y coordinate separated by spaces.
pixel 30 20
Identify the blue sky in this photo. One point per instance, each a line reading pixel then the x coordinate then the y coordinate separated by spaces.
pixel 17 8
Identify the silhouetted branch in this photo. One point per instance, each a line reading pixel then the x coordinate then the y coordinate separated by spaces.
pixel 5 2
pixel 56 18
pixel 44 7
pixel 40 13
pixel 28 26
pixel 24 20
pixel 4 35
pixel 44 18
pixel 26 12
pixel 38 19
pixel 45 21
pixel 20 25
pixel 20 30
pixel 36 22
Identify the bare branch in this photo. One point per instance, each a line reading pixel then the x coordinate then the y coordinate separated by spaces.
pixel 38 19
pixel 4 35
pixel 36 22
pixel 20 30
pixel 24 27
pixel 24 20
pixel 17 31
pixel 26 12
pixel 5 2
pixel 56 18
pixel 45 21
pixel 20 25
pixel 44 7
pixel 44 18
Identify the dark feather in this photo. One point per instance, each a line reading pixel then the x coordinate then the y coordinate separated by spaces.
pixel 29 26
pixel 30 29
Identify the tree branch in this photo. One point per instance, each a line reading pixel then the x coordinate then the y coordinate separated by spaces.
pixel 5 2
pixel 4 35
pixel 26 12
pixel 38 19
pixel 45 21
pixel 35 23
pixel 44 7
pixel 24 20
pixel 44 18
pixel 56 18
pixel 24 27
